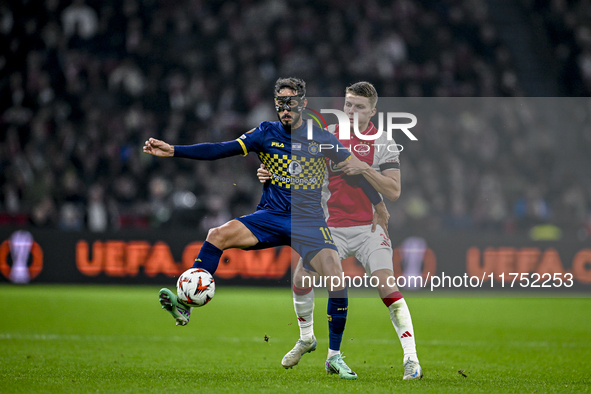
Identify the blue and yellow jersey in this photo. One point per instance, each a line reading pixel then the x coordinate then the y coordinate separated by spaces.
pixel 297 165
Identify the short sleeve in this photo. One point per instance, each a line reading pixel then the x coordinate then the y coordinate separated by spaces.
pixel 389 156
pixel 251 140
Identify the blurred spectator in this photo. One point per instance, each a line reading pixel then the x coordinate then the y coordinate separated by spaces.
pixel 71 217
pixel 79 19
pixel 218 213
pixel 127 78
pixel 44 213
pixel 159 206
pixel 97 212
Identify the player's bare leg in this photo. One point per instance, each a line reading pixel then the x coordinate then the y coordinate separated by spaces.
pixel 233 234
pixel 401 320
pixel 326 263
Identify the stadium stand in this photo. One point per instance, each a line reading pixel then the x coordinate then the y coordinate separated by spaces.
pixel 84 83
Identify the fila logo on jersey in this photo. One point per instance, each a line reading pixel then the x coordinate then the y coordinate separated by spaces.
pixel 277 144
pixel 406 335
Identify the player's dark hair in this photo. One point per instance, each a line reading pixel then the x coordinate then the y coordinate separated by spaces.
pixel 364 89
pixel 295 84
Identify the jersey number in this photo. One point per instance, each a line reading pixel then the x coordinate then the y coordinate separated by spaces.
pixel 326 233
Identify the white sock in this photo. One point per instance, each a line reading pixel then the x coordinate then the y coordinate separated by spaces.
pixel 332 353
pixel 304 308
pixel 400 316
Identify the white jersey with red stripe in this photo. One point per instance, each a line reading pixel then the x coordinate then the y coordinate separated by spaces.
pixel 345 205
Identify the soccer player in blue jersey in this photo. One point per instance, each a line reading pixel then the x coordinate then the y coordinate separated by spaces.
pixel 349 216
pixel 290 211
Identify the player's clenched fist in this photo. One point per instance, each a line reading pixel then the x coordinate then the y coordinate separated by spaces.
pixel 158 148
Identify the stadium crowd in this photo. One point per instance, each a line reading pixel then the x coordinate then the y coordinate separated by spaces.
pixel 83 83
pixel 568 24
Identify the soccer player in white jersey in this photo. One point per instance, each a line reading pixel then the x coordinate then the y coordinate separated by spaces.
pixel 349 216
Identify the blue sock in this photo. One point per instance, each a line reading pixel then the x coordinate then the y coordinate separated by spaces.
pixel 208 258
pixel 338 304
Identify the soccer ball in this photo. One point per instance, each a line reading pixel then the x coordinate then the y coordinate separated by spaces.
pixel 195 287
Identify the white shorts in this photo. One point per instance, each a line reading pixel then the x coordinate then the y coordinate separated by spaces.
pixel 360 242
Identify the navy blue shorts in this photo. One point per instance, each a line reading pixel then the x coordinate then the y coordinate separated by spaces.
pixel 307 236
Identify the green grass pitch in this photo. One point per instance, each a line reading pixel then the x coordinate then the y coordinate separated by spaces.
pixel 77 339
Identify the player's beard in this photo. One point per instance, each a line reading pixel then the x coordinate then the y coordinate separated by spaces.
pixel 294 118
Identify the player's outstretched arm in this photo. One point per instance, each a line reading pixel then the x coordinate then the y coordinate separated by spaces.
pixel 204 151
pixel 158 148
